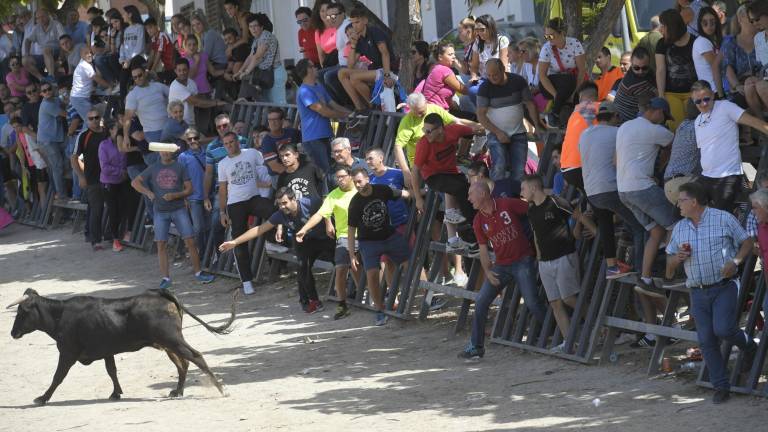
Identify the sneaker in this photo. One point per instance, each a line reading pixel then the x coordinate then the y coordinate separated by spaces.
pixel 558 349
pixel 248 290
pixel 342 310
pixel 381 319
pixel 552 120
pixel 460 279
pixel 275 248
pixel 472 352
pixel 314 306
pixel 643 342
pixel 453 216
pixel 614 272
pixel 721 396
pixel 473 251
pixel 456 244
pixel 437 303
pixel 205 278
pixel 165 283
pixel 673 283
pixel 116 246
pixel 127 236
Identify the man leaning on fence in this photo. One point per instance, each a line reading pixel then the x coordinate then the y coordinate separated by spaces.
pixel 711 245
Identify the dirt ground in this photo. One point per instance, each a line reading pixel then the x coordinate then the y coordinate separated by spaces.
pixel 285 370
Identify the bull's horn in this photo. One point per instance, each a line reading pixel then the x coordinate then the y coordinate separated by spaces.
pixel 19 300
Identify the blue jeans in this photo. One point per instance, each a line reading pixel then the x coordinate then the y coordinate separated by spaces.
pixel 523 273
pixel 77 191
pixel 81 105
pixel 276 94
pixel 199 222
pixel 320 152
pixel 508 160
pixel 153 136
pixel 179 217
pixel 716 314
pixel 54 152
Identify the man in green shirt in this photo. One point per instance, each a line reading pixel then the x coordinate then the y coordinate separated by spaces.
pixel 336 204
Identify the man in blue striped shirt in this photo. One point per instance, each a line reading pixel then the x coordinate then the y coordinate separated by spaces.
pixel 711 244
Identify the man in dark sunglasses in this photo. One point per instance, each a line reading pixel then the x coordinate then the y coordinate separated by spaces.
pixel 717 135
pixel 306 35
pixel 638 82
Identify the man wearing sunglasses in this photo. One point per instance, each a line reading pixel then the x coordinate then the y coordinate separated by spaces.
pixel 638 82
pixel 50 136
pixel 717 136
pixel 306 35
pixel 149 101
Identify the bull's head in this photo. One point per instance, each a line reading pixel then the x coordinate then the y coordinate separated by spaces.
pixel 27 315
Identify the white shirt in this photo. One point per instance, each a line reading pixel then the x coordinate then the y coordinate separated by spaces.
pixel 241 174
pixel 701 46
pixel 181 93
pixel 341 41
pixel 568 54
pixel 637 145
pixel 761 49
pixel 487 52
pixel 717 136
pixel 82 80
pixel 150 104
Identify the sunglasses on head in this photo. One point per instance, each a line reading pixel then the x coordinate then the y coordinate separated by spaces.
pixel 702 100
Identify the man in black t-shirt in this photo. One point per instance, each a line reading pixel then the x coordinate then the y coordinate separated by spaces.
pixel 558 260
pixel 302 176
pixel 88 176
pixel 369 218
pixel 374 44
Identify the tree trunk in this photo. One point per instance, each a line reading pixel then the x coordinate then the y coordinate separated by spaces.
pixel 602 30
pixel 572 17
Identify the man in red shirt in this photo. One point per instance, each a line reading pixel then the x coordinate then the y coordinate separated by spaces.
pixel 307 44
pixel 435 162
pixel 498 222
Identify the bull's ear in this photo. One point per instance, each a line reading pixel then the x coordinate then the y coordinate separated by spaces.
pixel 30 292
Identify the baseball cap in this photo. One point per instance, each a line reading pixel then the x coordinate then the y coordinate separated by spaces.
pixel 607 107
pixel 662 104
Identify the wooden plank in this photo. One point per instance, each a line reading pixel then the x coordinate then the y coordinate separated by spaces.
pixel 658 330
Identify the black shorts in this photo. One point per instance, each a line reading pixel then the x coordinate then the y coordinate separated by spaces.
pixel 38 175
pixel 5 169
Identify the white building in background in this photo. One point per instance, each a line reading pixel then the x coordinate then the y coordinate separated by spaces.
pixel 437 19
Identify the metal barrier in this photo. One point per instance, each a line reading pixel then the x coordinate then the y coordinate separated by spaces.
pixel 40 212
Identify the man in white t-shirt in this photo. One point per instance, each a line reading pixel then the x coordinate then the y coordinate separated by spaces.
pixel 239 198
pixel 184 90
pixel 717 137
pixel 82 83
pixel 638 143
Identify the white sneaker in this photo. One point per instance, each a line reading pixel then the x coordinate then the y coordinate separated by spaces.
pixel 558 349
pixel 453 216
pixel 460 280
pixel 455 244
pixel 248 290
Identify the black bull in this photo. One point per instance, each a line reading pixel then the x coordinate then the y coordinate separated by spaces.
pixel 87 329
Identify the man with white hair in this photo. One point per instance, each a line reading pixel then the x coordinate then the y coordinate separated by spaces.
pixel 46 33
pixel 341 151
pixel 409 132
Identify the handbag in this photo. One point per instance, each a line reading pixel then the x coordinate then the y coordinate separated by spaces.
pixel 264 78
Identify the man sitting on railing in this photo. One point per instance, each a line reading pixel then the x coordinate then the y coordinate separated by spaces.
pixel 294 213
pixel 711 245
pixel 497 221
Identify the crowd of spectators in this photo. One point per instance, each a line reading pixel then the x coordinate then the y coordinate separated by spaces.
pixel 651 149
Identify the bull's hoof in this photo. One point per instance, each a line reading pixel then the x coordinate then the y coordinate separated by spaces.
pixel 175 394
pixel 114 396
pixel 41 400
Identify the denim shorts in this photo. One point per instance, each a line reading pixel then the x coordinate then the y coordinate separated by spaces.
pixel 650 207
pixel 395 247
pixel 341 254
pixel 180 218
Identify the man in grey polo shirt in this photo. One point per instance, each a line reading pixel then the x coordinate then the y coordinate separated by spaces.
pixel 149 101
pixel 45 33
pixel 711 244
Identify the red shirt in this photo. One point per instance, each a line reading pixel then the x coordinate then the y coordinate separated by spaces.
pixel 503 229
pixel 162 44
pixel 440 157
pixel 307 42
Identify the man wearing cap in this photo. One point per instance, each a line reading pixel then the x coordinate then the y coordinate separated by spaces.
pixel 637 145
pixel 597 146
pixel 717 136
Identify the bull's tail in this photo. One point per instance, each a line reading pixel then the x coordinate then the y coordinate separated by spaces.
pixel 222 329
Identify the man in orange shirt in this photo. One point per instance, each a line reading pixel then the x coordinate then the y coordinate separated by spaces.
pixel 609 75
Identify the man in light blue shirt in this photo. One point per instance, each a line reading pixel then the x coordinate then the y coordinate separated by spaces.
pixel 50 136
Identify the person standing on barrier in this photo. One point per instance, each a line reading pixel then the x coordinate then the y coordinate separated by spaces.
pixel 316 109
pixel 214 153
pixel 50 136
pixel 369 218
pixel 167 184
pixel 293 214
pixel 501 103
pixel 498 222
pixel 239 195
pixel 335 208
pixel 89 176
pixel 148 101
pixel 549 217
pixel 711 244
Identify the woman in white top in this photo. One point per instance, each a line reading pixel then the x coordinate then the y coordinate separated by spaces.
pixel 562 68
pixel 706 50
pixel 489 44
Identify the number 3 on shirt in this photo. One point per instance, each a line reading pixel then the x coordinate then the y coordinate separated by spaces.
pixel 504 215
